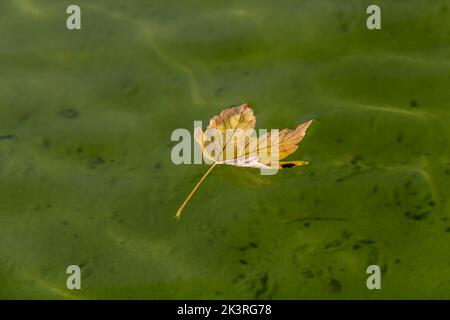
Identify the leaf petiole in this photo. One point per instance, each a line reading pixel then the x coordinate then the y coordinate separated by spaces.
pixel 180 210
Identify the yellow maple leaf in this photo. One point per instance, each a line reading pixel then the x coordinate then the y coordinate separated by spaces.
pixel 230 139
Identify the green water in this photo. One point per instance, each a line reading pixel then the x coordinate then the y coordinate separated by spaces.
pixel 86 176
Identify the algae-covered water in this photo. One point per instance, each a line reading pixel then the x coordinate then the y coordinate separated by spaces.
pixel 86 176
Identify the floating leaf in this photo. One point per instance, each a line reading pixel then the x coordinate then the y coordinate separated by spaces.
pixel 230 139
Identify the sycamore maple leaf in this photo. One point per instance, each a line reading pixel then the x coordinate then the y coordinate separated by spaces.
pixel 230 139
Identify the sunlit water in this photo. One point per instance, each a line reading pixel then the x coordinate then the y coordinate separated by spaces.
pixel 85 170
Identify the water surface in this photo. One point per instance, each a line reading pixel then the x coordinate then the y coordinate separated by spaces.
pixel 85 170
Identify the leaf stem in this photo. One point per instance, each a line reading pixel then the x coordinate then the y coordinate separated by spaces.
pixel 180 210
